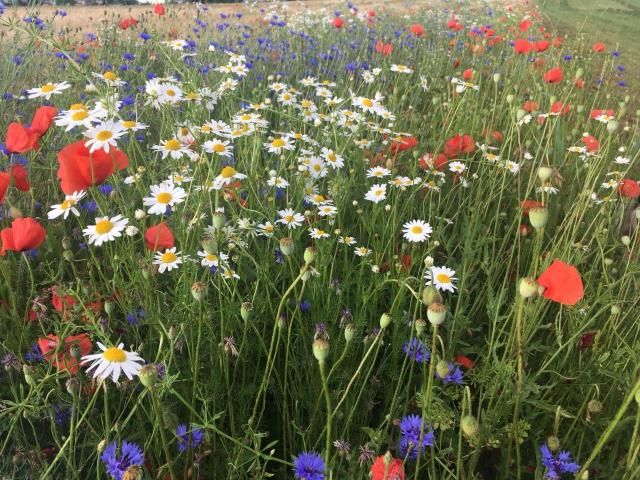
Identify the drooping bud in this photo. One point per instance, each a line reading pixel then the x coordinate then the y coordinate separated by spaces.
pixel 470 426
pixel 385 320
pixel 510 98
pixel 612 126
pixel 436 313
pixel 528 287
pixel 101 445
pixel 431 295
pixel 538 217
pixel 148 375
pixel 31 375
pixel 321 349
pixel 66 243
pixel 245 310
pixel 199 291
pixel 286 246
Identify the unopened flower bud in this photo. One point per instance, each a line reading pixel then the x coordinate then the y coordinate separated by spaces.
pixel 321 349
pixel 68 255
pixel 139 214
pixel 210 245
pixel 349 332
pixel 286 246
pixel 470 426
pixel 579 72
pixel 148 375
pixel 420 326
pixel 66 243
pixel 436 313
pixel 199 291
pixel 73 386
pixel 442 368
pixel 612 126
pixel 431 295
pixel 544 173
pixel 528 287
pixel 538 217
pixel 245 310
pixel 31 375
pixel 615 310
pixel 310 255
pixel 496 77
pixel 74 351
pixel 510 98
pixel 385 320
pixel 553 443
pixel 101 445
pixel 594 406
pixel 626 240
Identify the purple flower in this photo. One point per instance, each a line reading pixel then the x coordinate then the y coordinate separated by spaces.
pixel 411 427
pixel 130 456
pixel 557 465
pixel 454 375
pixel 187 440
pixel 416 350
pixel 308 466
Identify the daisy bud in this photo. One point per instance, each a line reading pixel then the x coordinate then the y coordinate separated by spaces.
pixel 245 310
pixel 349 332
pixel 420 325
pixel 608 262
pixel 66 243
pixel 544 173
pixel 528 287
pixel 310 255
pixel 218 220
pixel 385 320
pixel 139 214
pixel 30 373
pixel 286 246
pixel 148 375
pixel 594 406
pixel 470 426
pixel 553 443
pixel 428 262
pixel 431 295
pixel 436 313
pixel 538 217
pixel 626 240
pixel 90 88
pixel 612 126
pixel 109 307
pixel 442 368
pixel 510 98
pixel 199 291
pixel 68 255
pixel 73 386
pixel 321 349
pixel 131 230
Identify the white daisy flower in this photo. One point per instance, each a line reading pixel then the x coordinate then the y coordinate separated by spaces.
pixel 332 158
pixel 48 89
pixel 105 230
pixel 416 231
pixel 457 167
pixel 112 362
pixel 318 233
pixel 266 229
pixel 226 177
pixel 401 68
pixel 377 193
pixel 327 210
pixel 290 218
pixel 163 196
pixel 347 240
pixel 103 136
pixel 68 205
pixel 213 260
pixel 167 260
pixel 277 182
pixel 172 147
pixel 362 251
pixel 442 278
pixel 278 144
pixel 219 147
pixel 76 116
pixel 378 172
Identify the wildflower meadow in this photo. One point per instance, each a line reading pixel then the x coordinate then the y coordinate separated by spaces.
pixel 317 241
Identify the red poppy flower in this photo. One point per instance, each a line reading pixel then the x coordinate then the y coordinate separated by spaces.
pixel 587 340
pixel 522 46
pixel 338 22
pixel 553 76
pixel 430 160
pixel 542 45
pixel 454 25
pixel 524 230
pixel 371 13
pixel 42 120
pixel 127 22
pixel 5 181
pixel 561 108
pixel 591 142
pixel 19 175
pixel 23 234
pixel 61 303
pixel 562 283
pixel 383 48
pixel 558 41
pixel 530 106
pixel 598 47
pixel 158 9
pixel 79 169
pixel 417 29
pixel 467 74
pixel 459 144
pixel 579 83
pixel 465 362
pixel 629 188
pixel 159 237
pixel 403 144
pixel 68 354
pixel 525 24
pixel 393 471
pixel 596 113
pixel 529 204
pixel 21 139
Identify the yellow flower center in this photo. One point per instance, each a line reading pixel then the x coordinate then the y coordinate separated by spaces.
pixel 103 226
pixel 49 87
pixel 417 230
pixel 278 142
pixel 212 258
pixel 168 257
pixel 110 76
pixel 367 103
pixel 192 96
pixel 172 145
pixel 171 92
pixel 318 198
pixel 129 123
pixel 443 278
pixel 114 354
pixel 288 218
pixel 104 135
pixel 218 148
pixel 67 204
pixel 228 172
pixel 77 106
pixel 245 117
pixel 79 115
pixel 164 197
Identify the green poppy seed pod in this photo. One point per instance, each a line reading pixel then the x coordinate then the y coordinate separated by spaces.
pixel 528 287
pixel 436 313
pixel 199 291
pixel 442 368
pixel 553 99
pixel 520 114
pixel 510 98
pixel 538 216
pixel 30 374
pixel 286 246
pixel 385 320
pixel 626 240
pixel 310 255
pixel 210 245
pixel 579 73
pixel 496 77
pixel 470 426
pixel 245 310
pixel 594 406
pixel 612 126
pixel 421 325
pixel 544 173
pixel 553 443
pixel 68 255
pixel 66 243
pixel 148 375
pixel 580 108
pixel 218 220
pixel 349 332
pixel 431 295
pixel 321 349
pixel 109 307
pixel 73 386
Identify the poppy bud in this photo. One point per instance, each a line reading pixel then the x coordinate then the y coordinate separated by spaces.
pixel 420 326
pixel 286 246
pixel 431 295
pixel 310 255
pixel 68 255
pixel 436 313
pixel 520 114
pixel 579 73
pixel 496 77
pixel 528 287
pixel 544 173
pixel 385 320
pixel 218 220
pixel 73 386
pixel 321 349
pixel 553 443
pixel 148 375
pixel 109 307
pixel 615 310
pixel 538 217
pixel 626 240
pixel 210 245
pixel 74 351
pixel 470 426
pixel 442 368
pixel 199 291
pixel 31 375
pixel 245 310
pixel 349 332
pixel 510 98
pixel 66 243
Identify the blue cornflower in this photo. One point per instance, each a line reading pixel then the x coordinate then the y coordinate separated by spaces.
pixel 411 427
pixel 556 466
pixel 90 206
pixel 62 414
pixel 17 59
pixel 145 36
pixel 34 354
pixel 130 456
pixel 106 189
pixel 416 350
pixel 62 13
pixel 279 257
pixel 3 8
pixel 308 466
pixel 453 376
pixel 187 440
pixel 305 306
